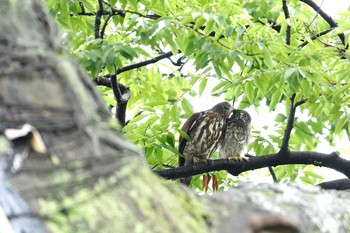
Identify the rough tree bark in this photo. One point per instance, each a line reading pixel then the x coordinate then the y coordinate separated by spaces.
pixel 92 179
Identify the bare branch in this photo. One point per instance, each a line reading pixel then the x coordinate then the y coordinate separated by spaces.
pixel 273 174
pixel 105 25
pixel 121 13
pixel 98 19
pixel 145 63
pixel 287 16
pixel 103 81
pixel 235 168
pixel 290 122
pixel 121 95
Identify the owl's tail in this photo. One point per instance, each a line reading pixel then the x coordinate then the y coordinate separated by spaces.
pixel 185 180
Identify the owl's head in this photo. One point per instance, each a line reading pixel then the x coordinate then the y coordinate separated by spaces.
pixel 240 116
pixel 224 108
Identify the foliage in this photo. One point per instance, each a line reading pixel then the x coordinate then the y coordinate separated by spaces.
pixel 233 40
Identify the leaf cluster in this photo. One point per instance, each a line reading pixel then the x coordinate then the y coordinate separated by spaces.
pixel 241 43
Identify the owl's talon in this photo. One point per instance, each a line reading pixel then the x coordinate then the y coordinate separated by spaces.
pixel 238 158
pixel 206 161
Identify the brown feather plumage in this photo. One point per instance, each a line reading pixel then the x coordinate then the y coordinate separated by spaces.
pixel 205 130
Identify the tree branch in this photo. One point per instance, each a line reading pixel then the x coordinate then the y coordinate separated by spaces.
pixel 287 16
pixel 326 17
pixel 235 168
pixel 273 174
pixel 340 184
pixel 290 122
pixel 119 13
pixel 104 81
pixel 105 25
pixel 121 95
pixel 314 37
pixel 98 19
pixel 145 63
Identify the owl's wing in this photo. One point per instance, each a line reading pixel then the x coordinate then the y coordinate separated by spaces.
pixel 187 127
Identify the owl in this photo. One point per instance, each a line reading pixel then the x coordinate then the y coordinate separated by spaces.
pixel 205 131
pixel 235 136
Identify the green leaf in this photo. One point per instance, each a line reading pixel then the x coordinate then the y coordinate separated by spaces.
pixel 249 92
pixel 262 84
pixel 202 85
pixel 201 60
pixel 268 59
pixel 112 2
pixel 217 70
pixel 138 118
pixel 209 26
pixel 168 36
pixel 183 134
pixel 164 120
pixel 313 174
pixel 289 73
pixel 280 118
pixel 218 86
pixel 189 47
pixel 174 113
pixel 187 107
pixel 170 139
pixel 64 17
pixel 275 99
pixel 340 124
pixel 156 102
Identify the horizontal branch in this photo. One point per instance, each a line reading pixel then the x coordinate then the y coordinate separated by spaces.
pixel 119 13
pixel 145 63
pixel 105 80
pixel 235 168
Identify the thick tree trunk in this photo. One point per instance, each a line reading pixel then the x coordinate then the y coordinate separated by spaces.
pixel 92 179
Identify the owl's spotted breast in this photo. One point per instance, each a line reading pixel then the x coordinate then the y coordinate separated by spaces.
pixel 236 135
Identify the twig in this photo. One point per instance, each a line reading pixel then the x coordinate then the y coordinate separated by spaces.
pixel 144 63
pixel 105 80
pixel 235 168
pixel 105 25
pixel 273 174
pixel 287 16
pixel 137 114
pixel 122 96
pixel 119 13
pixel 290 122
pixel 82 7
pixel 314 37
pixel 98 19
